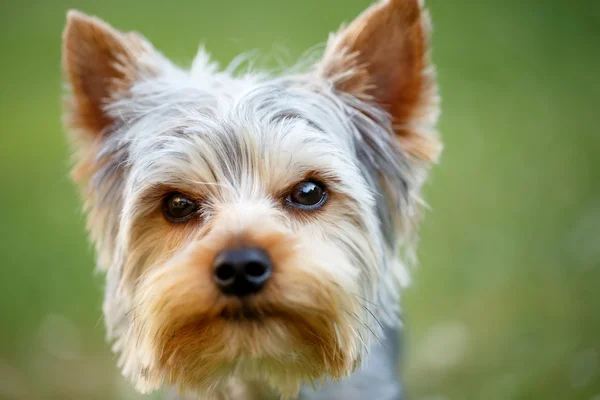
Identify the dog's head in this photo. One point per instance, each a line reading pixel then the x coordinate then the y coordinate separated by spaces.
pixel 251 225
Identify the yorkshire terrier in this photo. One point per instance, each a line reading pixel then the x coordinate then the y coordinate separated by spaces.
pixel 255 230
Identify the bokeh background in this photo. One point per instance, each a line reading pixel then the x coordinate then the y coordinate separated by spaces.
pixel 506 301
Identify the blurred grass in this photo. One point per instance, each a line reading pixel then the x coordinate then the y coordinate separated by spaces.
pixel 505 304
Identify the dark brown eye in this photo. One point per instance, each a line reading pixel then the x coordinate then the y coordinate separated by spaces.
pixel 307 195
pixel 178 208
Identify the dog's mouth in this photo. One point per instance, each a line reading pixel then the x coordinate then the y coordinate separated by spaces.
pixel 242 314
pixel 248 311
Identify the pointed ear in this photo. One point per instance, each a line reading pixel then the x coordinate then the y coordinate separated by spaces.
pixel 382 56
pixel 101 64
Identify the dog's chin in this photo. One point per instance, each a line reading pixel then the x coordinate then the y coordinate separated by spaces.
pixel 299 329
pixel 282 350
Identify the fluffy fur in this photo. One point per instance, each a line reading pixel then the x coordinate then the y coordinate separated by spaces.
pixel 361 121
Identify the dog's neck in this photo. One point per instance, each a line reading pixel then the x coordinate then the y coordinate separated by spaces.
pixel 378 379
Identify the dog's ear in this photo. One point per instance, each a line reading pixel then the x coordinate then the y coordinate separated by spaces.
pixel 101 64
pixel 382 56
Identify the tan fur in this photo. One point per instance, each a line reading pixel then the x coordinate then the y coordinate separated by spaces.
pixel 394 73
pixel 189 333
pixel 101 63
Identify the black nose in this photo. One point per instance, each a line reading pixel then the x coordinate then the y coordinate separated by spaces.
pixel 240 272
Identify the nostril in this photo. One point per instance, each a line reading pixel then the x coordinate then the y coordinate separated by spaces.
pixel 225 272
pixel 255 269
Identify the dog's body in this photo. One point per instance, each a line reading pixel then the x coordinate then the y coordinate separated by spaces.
pixel 255 230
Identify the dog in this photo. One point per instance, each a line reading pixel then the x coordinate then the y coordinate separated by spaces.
pixel 255 229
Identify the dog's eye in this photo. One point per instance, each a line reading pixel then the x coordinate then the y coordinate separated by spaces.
pixel 178 208
pixel 307 195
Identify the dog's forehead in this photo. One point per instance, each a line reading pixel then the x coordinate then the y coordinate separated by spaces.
pixel 273 133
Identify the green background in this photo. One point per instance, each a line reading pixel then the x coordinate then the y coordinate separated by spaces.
pixel 506 301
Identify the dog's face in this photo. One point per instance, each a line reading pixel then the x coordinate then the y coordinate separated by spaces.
pixel 250 226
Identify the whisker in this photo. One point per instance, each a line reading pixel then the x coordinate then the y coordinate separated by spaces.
pixel 366 326
pixel 374 317
pixel 99 320
pixel 364 299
